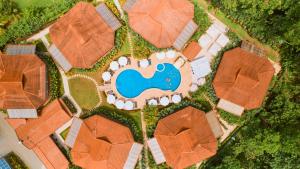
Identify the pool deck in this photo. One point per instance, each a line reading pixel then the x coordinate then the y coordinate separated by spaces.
pixel 186 79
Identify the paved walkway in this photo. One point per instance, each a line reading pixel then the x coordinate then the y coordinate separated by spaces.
pixel 9 142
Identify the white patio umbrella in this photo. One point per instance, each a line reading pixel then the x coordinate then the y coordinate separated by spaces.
pixel 106 76
pixel 144 63
pixel 164 101
pixel 123 61
pixel 176 98
pixel 128 105
pixel 111 99
pixel 171 54
pixel 114 65
pixel 194 88
pixel 120 104
pixel 161 55
pixel 152 102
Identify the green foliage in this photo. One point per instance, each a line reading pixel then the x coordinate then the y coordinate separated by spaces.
pixel 15 161
pixel 9 13
pixel 118 116
pixel 270 135
pixel 69 104
pixel 228 117
pixel 267 21
pixel 33 19
pixel 153 165
pixel 141 47
pixel 54 78
pixel 201 19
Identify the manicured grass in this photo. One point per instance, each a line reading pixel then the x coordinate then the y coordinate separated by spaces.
pixel 84 92
pixel 26 3
pixel 125 50
pixel 65 133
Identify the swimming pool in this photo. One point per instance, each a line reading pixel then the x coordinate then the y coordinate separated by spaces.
pixel 130 83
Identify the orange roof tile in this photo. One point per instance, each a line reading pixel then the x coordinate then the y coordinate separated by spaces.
pixel 102 143
pixel 22 82
pixel 34 131
pixel 160 22
pixel 15 123
pixel 185 138
pixel 192 50
pixel 82 35
pixel 50 155
pixel 243 78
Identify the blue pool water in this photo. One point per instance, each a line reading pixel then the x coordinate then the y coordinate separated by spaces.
pixel 130 83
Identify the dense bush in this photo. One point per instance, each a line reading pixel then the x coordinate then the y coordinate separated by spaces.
pixel 69 104
pixel 15 161
pixel 201 19
pixel 33 19
pixel 118 116
pixel 54 78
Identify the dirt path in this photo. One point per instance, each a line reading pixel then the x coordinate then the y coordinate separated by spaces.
pixel 144 130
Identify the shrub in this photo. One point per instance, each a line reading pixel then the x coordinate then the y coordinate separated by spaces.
pixel 54 78
pixel 201 19
pixel 15 161
pixel 69 104
pixel 118 116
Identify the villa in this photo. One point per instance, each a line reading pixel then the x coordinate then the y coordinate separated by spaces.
pixel 242 81
pixel 185 138
pixel 35 134
pixel 97 142
pixel 78 34
pixel 164 23
pixel 23 81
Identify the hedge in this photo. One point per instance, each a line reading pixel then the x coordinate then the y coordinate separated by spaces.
pixel 117 116
pixel 15 161
pixel 69 104
pixel 54 78
pixel 201 19
pixel 33 19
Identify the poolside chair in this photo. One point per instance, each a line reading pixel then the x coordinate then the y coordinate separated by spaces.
pixel 149 60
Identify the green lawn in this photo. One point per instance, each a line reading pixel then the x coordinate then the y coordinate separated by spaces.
pixel 84 92
pixel 65 133
pixel 26 3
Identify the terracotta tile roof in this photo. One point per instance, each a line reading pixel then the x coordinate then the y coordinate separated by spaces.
pixel 185 138
pixel 22 82
pixel 50 155
pixel 192 50
pixel 82 35
pixel 160 22
pixel 102 143
pixel 34 131
pixel 15 123
pixel 243 78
